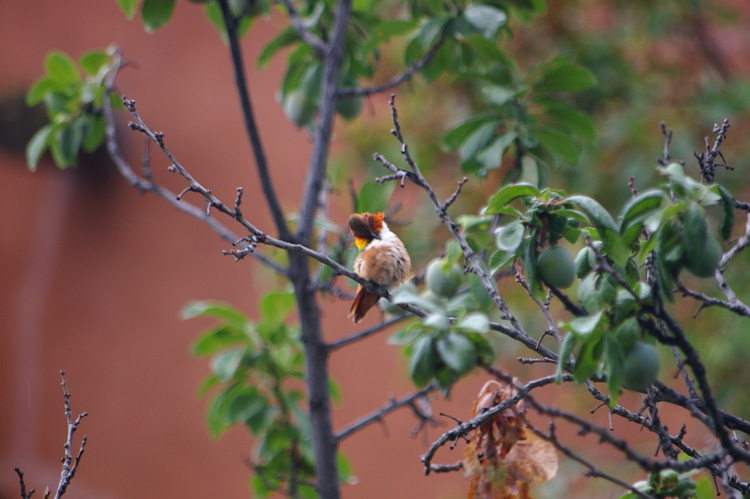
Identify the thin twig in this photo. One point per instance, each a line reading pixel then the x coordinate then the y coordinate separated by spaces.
pixel 305 34
pixel 377 415
pixel 406 75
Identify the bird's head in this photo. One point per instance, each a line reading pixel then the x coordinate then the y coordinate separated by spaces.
pixel 365 227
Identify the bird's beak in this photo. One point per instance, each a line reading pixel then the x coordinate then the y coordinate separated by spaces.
pixel 375 236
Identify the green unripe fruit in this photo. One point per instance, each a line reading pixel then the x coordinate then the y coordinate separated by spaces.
pixel 349 107
pixel 441 282
pixel 701 250
pixel 556 267
pixel 299 108
pixel 706 264
pixel 628 333
pixel 642 364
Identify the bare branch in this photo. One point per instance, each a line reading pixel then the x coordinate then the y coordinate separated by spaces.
pixel 406 75
pixel 366 333
pixel 379 414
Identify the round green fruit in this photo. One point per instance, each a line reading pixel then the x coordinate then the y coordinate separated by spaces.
pixel 441 282
pixel 629 333
pixel 642 364
pixel 556 267
pixel 299 108
pixel 349 107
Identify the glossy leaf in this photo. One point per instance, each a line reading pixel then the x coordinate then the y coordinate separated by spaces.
pixel 562 76
pixel 510 237
pixel 727 220
pixel 40 89
pixel 459 134
pixel 156 13
pixel 457 351
pixel 92 62
pixel 215 309
pixel 508 193
pixel 129 7
pixel 476 322
pixel 569 342
pixel 559 143
pixel 37 145
pixel 640 207
pixel 61 68
pixel 423 361
pixel 615 367
pixel 485 18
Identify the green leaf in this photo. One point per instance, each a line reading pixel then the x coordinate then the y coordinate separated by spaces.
pixel 727 203
pixel 224 366
pixel 587 360
pixel 459 134
pixel 276 306
pixel 71 138
pixel 374 197
pixel 156 13
pixel 40 89
pixel 510 237
pixel 129 7
pixel 92 62
pixel 584 326
pixel 387 29
pixel 216 309
pixel 476 322
pixel 498 94
pixel 562 76
pixel 614 364
pixel 574 121
pixel 476 141
pixel 569 342
pixel 219 339
pixel 600 217
pixel 507 194
pixel 640 207
pixel 500 259
pixel 93 132
pixel 485 19
pixel 492 156
pixel 36 146
pixel 61 68
pixel 558 143
pixel 457 351
pixel 423 361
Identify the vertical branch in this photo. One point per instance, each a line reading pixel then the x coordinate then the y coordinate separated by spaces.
pixel 316 351
pixel 319 158
pixel 250 126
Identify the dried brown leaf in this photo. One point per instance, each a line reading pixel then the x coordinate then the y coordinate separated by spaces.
pixel 532 460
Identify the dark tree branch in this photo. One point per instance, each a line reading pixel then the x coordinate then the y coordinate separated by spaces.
pixel 706 160
pixel 366 333
pixel 22 483
pixel 379 414
pixel 593 471
pixel 250 126
pixel 406 75
pixel 305 34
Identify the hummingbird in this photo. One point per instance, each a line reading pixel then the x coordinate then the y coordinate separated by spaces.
pixel 383 259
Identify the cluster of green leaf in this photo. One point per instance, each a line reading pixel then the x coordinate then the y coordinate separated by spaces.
pixel 524 116
pixel 455 37
pixel 453 338
pixel 73 103
pixel 668 225
pixel 256 368
pixel 667 483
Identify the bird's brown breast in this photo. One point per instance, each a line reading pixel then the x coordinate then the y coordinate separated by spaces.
pixel 386 264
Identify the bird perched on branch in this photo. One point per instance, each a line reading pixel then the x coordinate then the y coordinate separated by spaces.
pixel 383 259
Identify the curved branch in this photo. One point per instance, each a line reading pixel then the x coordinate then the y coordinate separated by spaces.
pixel 397 80
pixel 307 36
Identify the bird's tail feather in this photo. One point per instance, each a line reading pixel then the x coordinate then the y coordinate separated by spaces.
pixel 363 302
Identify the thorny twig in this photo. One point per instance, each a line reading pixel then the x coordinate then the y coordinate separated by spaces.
pixel 70 462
